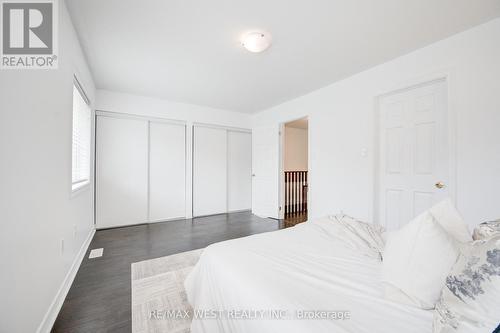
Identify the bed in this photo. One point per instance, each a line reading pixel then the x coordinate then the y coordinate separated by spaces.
pixel 276 276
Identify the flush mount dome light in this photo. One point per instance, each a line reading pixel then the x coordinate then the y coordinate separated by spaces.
pixel 256 41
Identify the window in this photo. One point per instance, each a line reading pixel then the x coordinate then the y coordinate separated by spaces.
pixel 80 173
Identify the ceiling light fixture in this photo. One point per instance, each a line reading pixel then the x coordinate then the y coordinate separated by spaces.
pixel 256 41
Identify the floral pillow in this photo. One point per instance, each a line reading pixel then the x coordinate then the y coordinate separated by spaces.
pixel 470 301
pixel 486 230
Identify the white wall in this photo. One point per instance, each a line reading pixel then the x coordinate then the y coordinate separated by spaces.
pixel 155 107
pixel 341 124
pixel 37 209
pixel 295 157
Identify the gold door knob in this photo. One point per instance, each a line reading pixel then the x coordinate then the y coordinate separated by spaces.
pixel 439 185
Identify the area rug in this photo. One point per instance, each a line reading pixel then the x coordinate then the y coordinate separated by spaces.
pixel 158 290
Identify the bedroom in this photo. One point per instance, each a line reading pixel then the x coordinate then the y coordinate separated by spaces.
pixel 149 130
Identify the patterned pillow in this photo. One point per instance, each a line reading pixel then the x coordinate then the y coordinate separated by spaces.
pixel 486 230
pixel 470 300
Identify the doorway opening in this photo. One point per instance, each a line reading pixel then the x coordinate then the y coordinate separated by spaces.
pixel 295 159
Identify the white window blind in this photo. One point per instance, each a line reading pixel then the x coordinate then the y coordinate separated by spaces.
pixel 80 174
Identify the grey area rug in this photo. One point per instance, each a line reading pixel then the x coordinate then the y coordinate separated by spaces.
pixel 158 286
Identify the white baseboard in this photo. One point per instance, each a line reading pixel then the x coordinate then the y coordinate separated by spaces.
pixel 51 315
pixel 240 210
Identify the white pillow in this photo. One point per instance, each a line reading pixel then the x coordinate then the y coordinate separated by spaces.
pixel 470 301
pixel 448 217
pixel 417 259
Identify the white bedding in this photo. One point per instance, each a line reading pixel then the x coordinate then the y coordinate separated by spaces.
pixel 301 268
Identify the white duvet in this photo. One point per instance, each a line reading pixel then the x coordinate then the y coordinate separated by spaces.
pixel 302 268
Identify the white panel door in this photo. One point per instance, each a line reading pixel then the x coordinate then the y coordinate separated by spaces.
pixel 239 171
pixel 265 165
pixel 209 171
pixel 414 153
pixel 121 171
pixel 167 171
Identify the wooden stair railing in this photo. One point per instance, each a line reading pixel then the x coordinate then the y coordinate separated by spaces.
pixel 295 192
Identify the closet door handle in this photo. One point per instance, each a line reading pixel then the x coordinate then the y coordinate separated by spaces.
pixel 439 185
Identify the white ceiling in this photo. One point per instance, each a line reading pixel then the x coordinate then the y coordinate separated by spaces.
pixel 188 51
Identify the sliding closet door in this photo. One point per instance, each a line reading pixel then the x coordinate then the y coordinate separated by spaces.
pixel 239 173
pixel 209 171
pixel 121 171
pixel 167 171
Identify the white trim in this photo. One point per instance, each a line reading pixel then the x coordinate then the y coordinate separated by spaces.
pixel 239 211
pixel 376 160
pixel 79 184
pixel 179 218
pixel 281 175
pixel 446 75
pixel 94 168
pixel 51 314
pixel 227 171
pixel 124 225
pixel 227 128
pixel 80 88
pixel 112 114
pixel 80 187
pixel 188 181
pixel 148 197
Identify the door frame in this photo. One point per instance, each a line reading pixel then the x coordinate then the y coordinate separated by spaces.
pixel 448 77
pixel 281 175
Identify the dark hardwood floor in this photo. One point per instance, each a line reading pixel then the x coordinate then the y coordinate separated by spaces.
pixel 100 298
pixel 294 219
